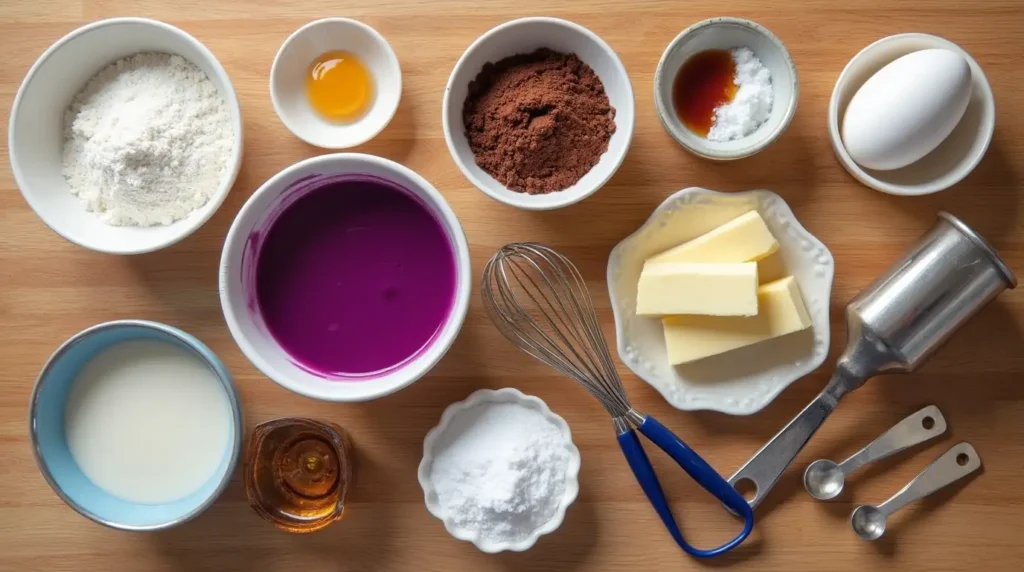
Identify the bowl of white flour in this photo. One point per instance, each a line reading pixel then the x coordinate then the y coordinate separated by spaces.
pixel 500 470
pixel 125 136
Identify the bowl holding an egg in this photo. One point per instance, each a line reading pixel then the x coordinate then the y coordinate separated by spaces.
pixel 135 425
pixel 125 136
pixel 335 83
pixel 721 300
pixel 538 113
pixel 911 114
pixel 345 277
pixel 725 88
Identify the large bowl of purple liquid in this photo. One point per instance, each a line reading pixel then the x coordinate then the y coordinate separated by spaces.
pixel 345 277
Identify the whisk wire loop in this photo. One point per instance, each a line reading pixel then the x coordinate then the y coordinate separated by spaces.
pixel 540 302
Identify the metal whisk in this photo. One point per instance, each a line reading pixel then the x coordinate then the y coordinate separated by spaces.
pixel 537 299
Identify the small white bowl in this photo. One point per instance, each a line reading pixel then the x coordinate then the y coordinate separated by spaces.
pixel 743 381
pixel 951 161
pixel 288 81
pixel 437 434
pixel 524 36
pixel 237 272
pixel 35 134
pixel 723 34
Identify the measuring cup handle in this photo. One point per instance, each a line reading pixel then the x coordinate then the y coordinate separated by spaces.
pixel 644 472
pixel 768 464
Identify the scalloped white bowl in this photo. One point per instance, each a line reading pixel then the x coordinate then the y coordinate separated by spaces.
pixel 506 395
pixel 745 380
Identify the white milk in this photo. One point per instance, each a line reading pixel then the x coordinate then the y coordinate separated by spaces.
pixel 147 421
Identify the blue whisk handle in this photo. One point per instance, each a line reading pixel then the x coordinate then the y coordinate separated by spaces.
pixel 696 467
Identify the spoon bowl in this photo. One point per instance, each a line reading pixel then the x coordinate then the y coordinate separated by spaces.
pixel 868 522
pixel 824 480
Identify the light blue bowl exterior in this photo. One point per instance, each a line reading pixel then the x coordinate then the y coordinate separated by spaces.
pixel 46 420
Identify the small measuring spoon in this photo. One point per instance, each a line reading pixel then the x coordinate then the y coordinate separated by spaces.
pixel 869 521
pixel 824 479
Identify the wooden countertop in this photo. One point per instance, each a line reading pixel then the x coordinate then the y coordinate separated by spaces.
pixel 50 289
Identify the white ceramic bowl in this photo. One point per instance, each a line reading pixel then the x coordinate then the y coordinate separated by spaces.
pixel 523 36
pixel 288 81
pixel 437 436
pixel 744 380
pixel 237 271
pixel 35 133
pixel 723 34
pixel 951 161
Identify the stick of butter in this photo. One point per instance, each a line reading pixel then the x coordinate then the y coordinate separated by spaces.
pixel 782 311
pixel 745 238
pixel 697 288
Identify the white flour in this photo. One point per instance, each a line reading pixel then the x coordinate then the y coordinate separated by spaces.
pixel 753 101
pixel 501 471
pixel 147 141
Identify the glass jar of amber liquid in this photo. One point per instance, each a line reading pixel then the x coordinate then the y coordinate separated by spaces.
pixel 297 472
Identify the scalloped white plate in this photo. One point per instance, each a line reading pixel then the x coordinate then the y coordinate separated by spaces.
pixel 506 395
pixel 743 381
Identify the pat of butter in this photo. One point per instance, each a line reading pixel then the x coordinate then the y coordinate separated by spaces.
pixel 745 238
pixel 782 311
pixel 697 288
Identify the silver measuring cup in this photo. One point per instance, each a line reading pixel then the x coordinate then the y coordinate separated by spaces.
pixel 893 326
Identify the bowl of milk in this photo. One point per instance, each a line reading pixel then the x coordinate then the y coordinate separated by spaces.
pixel 135 425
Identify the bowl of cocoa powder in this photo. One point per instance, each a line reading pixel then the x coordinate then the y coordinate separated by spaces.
pixel 538 113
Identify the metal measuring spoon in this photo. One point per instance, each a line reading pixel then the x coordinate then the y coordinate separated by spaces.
pixel 869 521
pixel 824 479
pixel 893 326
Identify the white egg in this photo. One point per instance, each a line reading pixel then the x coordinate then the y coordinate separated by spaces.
pixel 907 109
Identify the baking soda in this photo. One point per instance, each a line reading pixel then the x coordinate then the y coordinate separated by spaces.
pixel 501 470
pixel 752 104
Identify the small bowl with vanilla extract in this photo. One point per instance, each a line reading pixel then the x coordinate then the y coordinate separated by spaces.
pixel 700 72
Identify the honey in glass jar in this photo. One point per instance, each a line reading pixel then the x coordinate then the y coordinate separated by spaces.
pixel 297 472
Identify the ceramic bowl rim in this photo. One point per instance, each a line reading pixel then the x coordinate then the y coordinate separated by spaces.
pixel 522 200
pixel 460 305
pixel 504 395
pixel 200 350
pixel 862 175
pixel 378 38
pixel 231 101
pixel 619 319
pixel 665 109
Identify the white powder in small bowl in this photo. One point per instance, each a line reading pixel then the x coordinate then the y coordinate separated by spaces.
pixel 752 104
pixel 500 469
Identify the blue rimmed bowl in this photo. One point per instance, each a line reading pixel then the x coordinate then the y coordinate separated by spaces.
pixel 46 428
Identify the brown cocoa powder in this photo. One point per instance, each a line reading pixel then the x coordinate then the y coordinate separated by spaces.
pixel 538 122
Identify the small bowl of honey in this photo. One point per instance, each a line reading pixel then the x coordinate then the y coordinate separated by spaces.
pixel 335 83
pixel 725 88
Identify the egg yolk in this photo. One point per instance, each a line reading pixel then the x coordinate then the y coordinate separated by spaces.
pixel 339 87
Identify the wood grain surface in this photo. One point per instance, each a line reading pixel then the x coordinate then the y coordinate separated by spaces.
pixel 50 289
